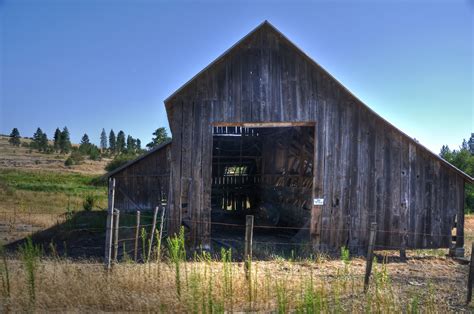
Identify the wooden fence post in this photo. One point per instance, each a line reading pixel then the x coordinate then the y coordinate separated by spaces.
pixel 137 233
pixel 110 221
pixel 161 233
pixel 248 242
pixel 153 227
pixel 370 255
pixel 470 278
pixel 403 254
pixel 116 231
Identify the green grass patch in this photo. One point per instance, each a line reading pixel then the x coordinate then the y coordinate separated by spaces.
pixel 51 181
pixel 49 191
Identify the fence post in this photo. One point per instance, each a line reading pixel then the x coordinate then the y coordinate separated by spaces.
pixel 161 233
pixel 116 235
pixel 403 254
pixel 153 227
pixel 370 255
pixel 248 241
pixel 471 274
pixel 137 233
pixel 110 221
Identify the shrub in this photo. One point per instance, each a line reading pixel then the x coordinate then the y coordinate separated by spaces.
pixel 94 153
pixel 119 161
pixel 76 158
pixel 69 162
pixel 89 202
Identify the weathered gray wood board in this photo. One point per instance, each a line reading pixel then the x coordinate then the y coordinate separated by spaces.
pixel 365 169
pixel 143 184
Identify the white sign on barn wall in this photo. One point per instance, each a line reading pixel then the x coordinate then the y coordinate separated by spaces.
pixel 318 201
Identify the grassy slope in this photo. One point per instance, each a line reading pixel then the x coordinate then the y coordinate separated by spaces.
pixel 40 183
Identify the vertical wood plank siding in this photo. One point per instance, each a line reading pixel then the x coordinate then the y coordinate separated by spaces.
pixel 143 185
pixel 364 168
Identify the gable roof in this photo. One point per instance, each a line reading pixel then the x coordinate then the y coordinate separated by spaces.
pixel 270 27
pixel 134 161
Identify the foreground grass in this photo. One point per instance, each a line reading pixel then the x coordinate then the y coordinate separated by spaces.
pixel 40 191
pixel 206 284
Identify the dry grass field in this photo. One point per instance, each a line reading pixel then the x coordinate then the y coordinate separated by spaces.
pixel 29 159
pixel 39 195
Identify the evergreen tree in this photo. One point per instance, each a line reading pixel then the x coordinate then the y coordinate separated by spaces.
pixel 139 145
pixel 37 139
pixel 85 145
pixel 471 144
pixel 57 139
pixel 85 139
pixel 103 140
pixel 120 141
pixel 160 136
pixel 65 143
pixel 112 142
pixel 43 146
pixel 14 137
pixel 131 144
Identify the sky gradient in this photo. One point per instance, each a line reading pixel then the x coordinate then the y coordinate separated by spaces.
pixel 110 64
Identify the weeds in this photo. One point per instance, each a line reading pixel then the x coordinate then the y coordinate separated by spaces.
pixel 177 255
pixel 5 275
pixel 30 254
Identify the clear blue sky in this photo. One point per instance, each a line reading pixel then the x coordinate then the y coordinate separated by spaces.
pixel 93 64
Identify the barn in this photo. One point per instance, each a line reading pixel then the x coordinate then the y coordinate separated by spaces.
pixel 265 130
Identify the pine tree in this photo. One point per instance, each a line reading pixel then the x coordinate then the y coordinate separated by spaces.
pixel 139 144
pixel 43 146
pixel 85 145
pixel 112 142
pixel 37 139
pixel 65 143
pixel 103 140
pixel 85 139
pixel 160 136
pixel 14 137
pixel 120 141
pixel 57 139
pixel 131 144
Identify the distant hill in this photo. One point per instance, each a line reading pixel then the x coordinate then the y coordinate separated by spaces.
pixel 26 158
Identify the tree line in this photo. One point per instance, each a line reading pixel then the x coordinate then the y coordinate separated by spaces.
pixel 120 147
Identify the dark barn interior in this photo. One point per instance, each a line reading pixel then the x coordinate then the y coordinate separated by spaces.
pixel 266 172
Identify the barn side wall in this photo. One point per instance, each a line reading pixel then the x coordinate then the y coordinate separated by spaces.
pixel 365 169
pixel 144 184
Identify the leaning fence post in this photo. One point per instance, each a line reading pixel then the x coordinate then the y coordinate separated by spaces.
pixel 470 278
pixel 110 221
pixel 161 233
pixel 153 226
pixel 137 233
pixel 116 227
pixel 370 255
pixel 248 241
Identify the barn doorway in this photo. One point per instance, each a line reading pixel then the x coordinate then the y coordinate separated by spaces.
pixel 265 171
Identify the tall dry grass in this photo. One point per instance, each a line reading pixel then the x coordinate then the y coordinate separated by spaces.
pixel 211 286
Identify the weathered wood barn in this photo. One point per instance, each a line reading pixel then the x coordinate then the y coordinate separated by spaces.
pixel 266 130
